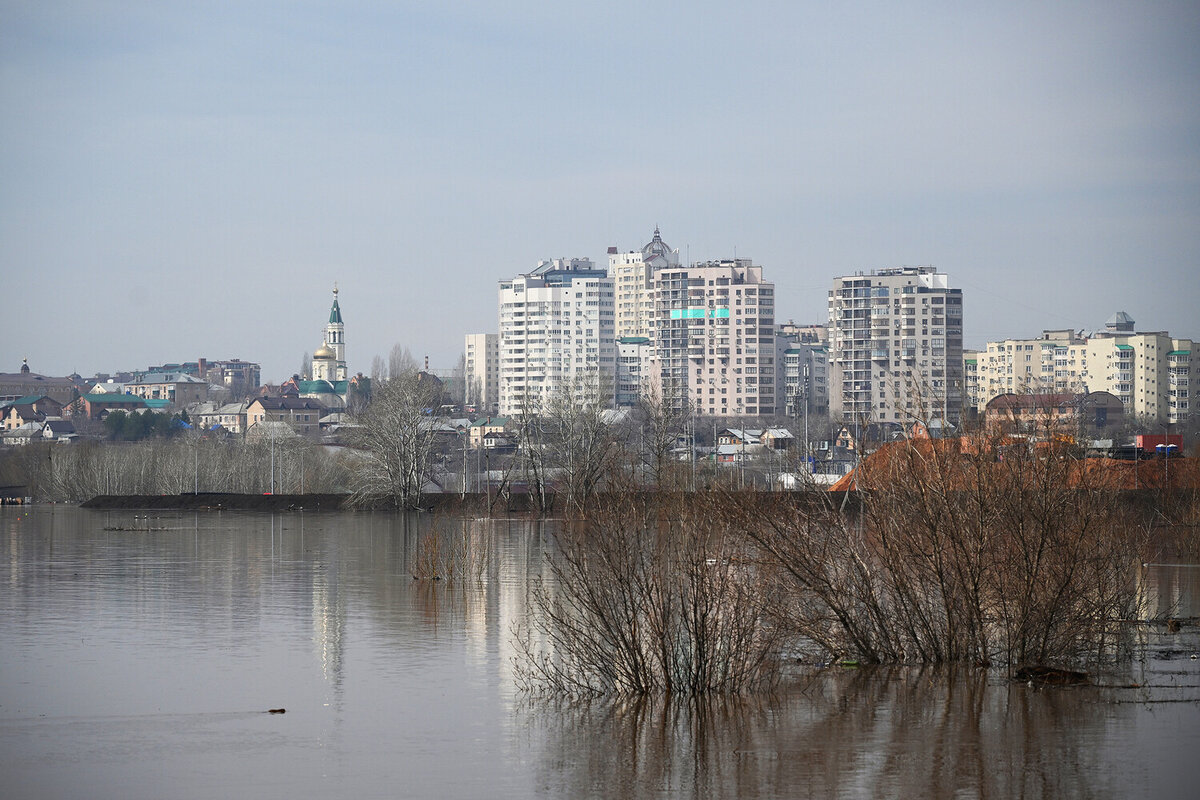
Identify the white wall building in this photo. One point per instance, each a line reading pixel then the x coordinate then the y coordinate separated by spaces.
pixel 1149 371
pixel 556 326
pixel 714 337
pixel 482 371
pixel 635 364
pixel 895 346
pixel 802 380
pixel 633 282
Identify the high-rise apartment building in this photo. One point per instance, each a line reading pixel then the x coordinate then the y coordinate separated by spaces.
pixel 634 370
pixel 556 325
pixel 481 374
pixel 1149 371
pixel 895 346
pixel 802 378
pixel 633 282
pixel 1054 363
pixel 714 337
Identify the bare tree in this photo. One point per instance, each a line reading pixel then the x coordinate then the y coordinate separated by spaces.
pixel 401 361
pixel 530 466
pixel 663 422
pixel 650 594
pixel 981 549
pixel 585 437
pixel 379 370
pixel 396 440
pixel 305 370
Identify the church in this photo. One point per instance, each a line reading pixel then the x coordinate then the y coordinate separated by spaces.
pixel 329 360
pixel 327 382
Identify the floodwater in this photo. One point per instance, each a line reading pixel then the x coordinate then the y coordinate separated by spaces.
pixel 141 663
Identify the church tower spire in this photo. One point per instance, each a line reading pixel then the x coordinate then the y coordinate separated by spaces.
pixel 335 337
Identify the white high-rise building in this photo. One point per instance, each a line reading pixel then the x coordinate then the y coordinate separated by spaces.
pixel 1056 362
pixel 1150 372
pixel 635 362
pixel 633 279
pixel 714 337
pixel 895 347
pixel 556 326
pixel 481 374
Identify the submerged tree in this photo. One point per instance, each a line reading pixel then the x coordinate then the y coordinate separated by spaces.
pixel 649 594
pixel 979 550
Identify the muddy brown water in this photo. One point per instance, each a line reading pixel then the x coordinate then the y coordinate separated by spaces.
pixel 141 661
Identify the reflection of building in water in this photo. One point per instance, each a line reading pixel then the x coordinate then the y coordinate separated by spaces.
pixel 524 563
pixel 329 624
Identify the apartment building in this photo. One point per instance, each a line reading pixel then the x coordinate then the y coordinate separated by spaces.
pixel 895 346
pixel 634 370
pixel 802 378
pixel 1056 362
pixel 714 337
pixel 633 283
pixel 556 327
pixel 481 376
pixel 1149 372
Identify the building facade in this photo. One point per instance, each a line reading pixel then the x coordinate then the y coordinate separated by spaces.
pixel 1054 363
pixel 803 378
pixel 634 370
pixel 556 328
pixel 633 284
pixel 714 337
pixel 481 376
pixel 1150 372
pixel 14 385
pixel 895 346
pixel 176 388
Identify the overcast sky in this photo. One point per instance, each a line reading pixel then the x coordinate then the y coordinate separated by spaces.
pixel 182 179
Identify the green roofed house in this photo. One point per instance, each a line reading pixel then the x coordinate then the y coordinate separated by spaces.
pixel 97 405
pixel 30 408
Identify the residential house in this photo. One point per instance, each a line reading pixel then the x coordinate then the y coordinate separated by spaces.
pixel 231 417
pixel 176 388
pixel 484 427
pixel 301 414
pixel 58 430
pixel 31 408
pixel 97 405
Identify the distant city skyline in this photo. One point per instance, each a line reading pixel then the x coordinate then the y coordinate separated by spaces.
pixel 180 181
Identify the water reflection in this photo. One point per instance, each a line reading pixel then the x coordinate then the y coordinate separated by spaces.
pixel 144 655
pixel 882 733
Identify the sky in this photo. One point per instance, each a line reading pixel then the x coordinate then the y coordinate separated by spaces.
pixel 182 179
